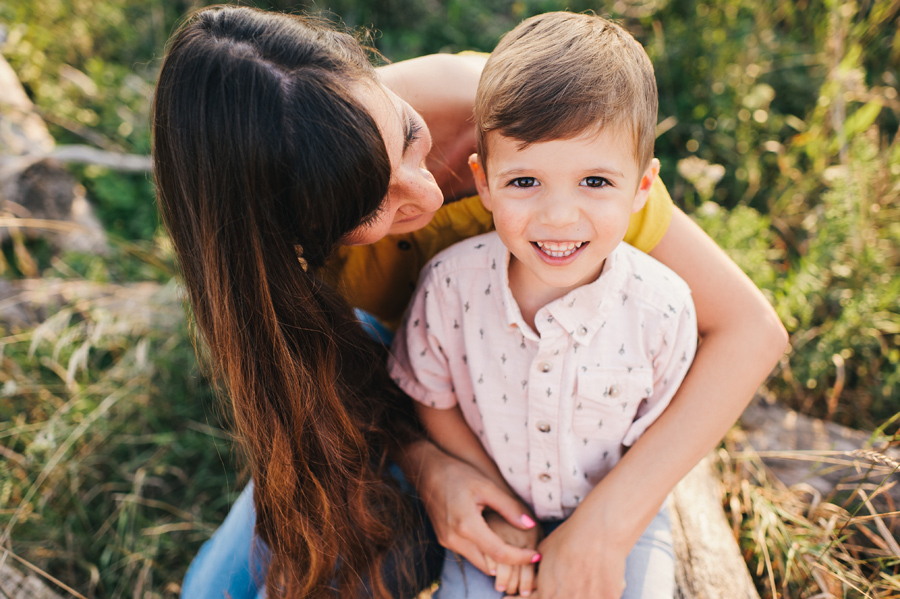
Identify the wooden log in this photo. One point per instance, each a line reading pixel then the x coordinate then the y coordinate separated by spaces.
pixel 708 561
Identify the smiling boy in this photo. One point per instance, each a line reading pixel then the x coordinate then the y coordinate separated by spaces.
pixel 540 352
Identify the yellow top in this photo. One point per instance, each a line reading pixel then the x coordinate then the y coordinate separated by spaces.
pixel 381 277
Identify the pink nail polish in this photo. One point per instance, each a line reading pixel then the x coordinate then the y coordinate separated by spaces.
pixel 536 558
pixel 527 521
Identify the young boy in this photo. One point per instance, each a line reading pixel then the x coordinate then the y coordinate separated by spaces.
pixel 539 352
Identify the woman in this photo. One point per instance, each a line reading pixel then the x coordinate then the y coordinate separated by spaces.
pixel 277 147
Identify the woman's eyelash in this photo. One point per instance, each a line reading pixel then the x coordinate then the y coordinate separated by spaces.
pixel 412 133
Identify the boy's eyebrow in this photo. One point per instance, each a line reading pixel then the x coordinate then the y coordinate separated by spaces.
pixel 599 170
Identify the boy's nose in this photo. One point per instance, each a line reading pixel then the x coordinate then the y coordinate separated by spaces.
pixel 558 211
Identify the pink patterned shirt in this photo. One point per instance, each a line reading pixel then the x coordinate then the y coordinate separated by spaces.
pixel 554 408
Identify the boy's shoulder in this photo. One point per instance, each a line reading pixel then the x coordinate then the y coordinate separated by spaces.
pixel 474 254
pixel 653 283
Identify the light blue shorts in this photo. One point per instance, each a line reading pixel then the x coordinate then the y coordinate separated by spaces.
pixel 649 568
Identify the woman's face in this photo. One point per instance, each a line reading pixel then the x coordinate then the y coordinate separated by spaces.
pixel 413 195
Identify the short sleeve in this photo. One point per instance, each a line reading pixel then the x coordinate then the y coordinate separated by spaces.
pixel 649 224
pixel 672 360
pixel 417 361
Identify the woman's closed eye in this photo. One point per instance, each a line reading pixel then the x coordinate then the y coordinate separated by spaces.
pixel 523 182
pixel 596 182
pixel 413 128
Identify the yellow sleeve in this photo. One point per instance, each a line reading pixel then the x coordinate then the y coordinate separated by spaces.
pixel 381 277
pixel 649 224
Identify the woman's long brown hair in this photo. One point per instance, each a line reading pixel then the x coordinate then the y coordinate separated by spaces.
pixel 260 149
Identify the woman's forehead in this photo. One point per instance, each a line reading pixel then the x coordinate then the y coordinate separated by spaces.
pixel 389 113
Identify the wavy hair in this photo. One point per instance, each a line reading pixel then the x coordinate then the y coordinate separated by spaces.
pixel 261 148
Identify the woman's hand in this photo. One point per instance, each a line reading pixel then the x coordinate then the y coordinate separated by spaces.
pixel 455 496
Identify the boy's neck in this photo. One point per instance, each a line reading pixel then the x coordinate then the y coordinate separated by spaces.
pixel 530 293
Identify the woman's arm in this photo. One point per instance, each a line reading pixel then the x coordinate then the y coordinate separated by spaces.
pixel 449 430
pixel 741 341
pixel 441 87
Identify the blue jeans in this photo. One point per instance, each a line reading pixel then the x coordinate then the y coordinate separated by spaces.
pixel 649 568
pixel 233 563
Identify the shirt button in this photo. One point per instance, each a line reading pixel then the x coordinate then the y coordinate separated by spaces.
pixel 543 426
pixel 544 477
pixel 582 330
pixel 614 391
pixel 546 366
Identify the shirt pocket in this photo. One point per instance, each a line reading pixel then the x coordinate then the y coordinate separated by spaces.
pixel 608 400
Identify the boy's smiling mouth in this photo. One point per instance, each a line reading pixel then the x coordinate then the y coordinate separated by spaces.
pixel 558 249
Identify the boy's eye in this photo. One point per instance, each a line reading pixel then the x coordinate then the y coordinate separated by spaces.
pixel 523 182
pixel 596 182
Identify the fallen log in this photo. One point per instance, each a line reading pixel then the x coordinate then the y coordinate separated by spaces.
pixel 708 561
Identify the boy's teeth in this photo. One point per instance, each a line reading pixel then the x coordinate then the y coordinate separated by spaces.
pixel 559 250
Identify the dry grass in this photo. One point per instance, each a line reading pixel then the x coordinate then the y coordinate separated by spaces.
pixel 801 543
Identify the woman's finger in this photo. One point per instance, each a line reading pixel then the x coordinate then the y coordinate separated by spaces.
pixel 507 506
pixel 491 566
pixel 476 531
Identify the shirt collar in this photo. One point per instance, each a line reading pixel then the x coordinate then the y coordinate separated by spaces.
pixel 582 312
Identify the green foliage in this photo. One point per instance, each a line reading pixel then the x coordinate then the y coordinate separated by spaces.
pixel 832 264
pixel 836 289
pixel 112 474
pixel 125 202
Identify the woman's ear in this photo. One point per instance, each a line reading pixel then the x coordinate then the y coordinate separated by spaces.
pixel 643 191
pixel 478 173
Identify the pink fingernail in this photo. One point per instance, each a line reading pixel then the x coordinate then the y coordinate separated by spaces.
pixel 527 521
pixel 536 558
pixel 500 589
pixel 493 571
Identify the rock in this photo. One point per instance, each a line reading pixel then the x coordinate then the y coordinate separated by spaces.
pixel 15 585
pixel 801 449
pixel 33 186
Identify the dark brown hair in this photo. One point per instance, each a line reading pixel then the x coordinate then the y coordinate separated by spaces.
pixel 260 149
pixel 559 74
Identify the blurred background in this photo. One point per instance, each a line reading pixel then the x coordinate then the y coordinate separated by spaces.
pixel 778 133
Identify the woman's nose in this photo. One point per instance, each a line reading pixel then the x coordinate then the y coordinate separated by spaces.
pixel 423 193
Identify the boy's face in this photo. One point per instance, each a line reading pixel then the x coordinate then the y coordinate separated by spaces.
pixel 562 206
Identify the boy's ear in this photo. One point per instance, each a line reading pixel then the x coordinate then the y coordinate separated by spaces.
pixel 477 168
pixel 646 182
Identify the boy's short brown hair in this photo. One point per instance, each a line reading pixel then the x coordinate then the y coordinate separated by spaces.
pixel 559 74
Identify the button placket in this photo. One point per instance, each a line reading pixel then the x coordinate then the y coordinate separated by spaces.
pixel 545 386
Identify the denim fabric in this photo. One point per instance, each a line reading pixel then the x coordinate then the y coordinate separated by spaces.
pixel 649 568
